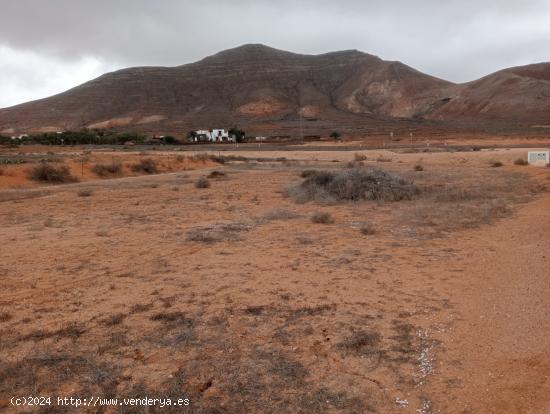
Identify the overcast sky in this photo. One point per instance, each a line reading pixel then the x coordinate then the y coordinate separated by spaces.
pixel 49 46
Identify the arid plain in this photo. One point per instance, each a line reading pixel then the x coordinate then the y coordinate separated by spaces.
pixel 207 277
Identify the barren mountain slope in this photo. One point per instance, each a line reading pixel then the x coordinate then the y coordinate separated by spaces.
pixel 249 83
pixel 261 88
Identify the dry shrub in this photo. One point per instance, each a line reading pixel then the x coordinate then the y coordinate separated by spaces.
pixel 359 157
pixel 51 173
pixel 322 217
pixel 521 161
pixel 418 167
pixel 361 343
pixel 280 214
pixel 217 232
pixel 216 174
pixel 496 164
pixel 105 170
pixel 202 182
pixel 146 166
pixel 308 173
pixel 367 229
pixel 353 185
pixel 84 193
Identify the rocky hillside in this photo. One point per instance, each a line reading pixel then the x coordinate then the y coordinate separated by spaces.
pixel 264 89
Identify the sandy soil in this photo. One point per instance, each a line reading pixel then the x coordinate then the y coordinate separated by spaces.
pixel 231 296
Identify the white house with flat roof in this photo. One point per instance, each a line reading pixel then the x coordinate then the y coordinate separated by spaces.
pixel 539 158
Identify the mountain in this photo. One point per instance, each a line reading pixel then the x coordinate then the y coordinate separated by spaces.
pixel 262 89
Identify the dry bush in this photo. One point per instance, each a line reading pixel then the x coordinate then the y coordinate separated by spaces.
pixel 359 157
pixel 52 174
pixel 308 173
pixel 105 170
pixel 521 161
pixel 353 185
pixel 217 232
pixel 367 229
pixel 201 157
pixel 322 217
pixel 84 193
pixel 496 164
pixel 361 343
pixel 202 182
pixel 146 166
pixel 216 174
pixel 280 214
pixel 5 316
pixel 418 167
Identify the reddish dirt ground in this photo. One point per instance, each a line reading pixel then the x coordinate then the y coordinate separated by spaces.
pixel 230 295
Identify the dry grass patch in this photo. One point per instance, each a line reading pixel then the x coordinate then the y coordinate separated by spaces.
pixel 51 174
pixel 217 232
pixel 322 217
pixel 216 174
pixel 145 166
pixel 85 193
pixel 202 182
pixel 106 170
pixel 353 185
pixel 367 229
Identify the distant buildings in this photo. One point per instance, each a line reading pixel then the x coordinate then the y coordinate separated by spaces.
pixel 214 135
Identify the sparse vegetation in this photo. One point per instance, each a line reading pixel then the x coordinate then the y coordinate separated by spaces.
pixel 280 214
pixel 51 173
pixel 418 167
pixel 359 157
pixel 322 217
pixel 367 229
pixel 202 182
pixel 335 136
pixel 217 232
pixel 353 185
pixel 496 164
pixel 85 192
pixel 520 161
pixel 216 174
pixel 145 166
pixel 105 170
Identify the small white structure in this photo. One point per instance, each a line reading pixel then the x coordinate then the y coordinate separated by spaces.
pixel 214 135
pixel 539 158
pixel 219 135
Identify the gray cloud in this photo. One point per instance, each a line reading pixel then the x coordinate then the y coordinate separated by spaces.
pixel 69 41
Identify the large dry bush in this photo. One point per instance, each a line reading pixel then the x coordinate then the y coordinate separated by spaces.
pixel 51 173
pixel 353 185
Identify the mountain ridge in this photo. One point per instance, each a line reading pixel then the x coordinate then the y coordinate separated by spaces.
pixel 262 88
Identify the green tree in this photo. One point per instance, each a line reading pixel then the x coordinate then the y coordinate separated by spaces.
pixel 335 136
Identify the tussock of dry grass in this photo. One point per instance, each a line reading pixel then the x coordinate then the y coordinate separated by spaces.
pixel 280 214
pixel 217 232
pixel 106 170
pixel 51 174
pixel 202 182
pixel 353 185
pixel 145 166
pixel 322 217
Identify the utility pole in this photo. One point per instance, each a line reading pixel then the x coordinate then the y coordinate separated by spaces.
pixel 301 126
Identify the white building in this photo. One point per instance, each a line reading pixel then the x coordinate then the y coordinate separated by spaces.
pixel 215 135
pixel 219 135
pixel 541 158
